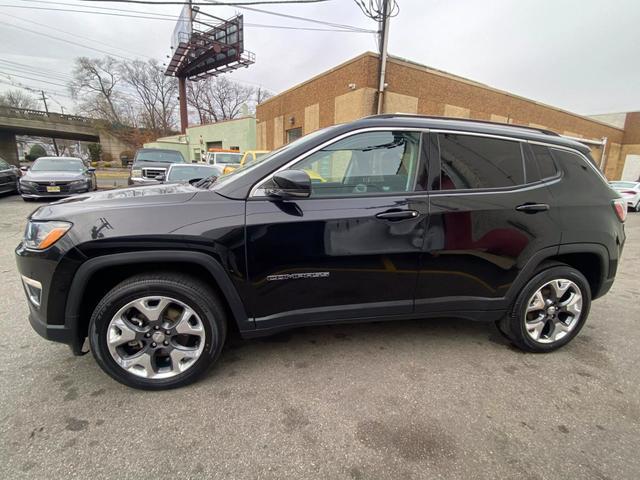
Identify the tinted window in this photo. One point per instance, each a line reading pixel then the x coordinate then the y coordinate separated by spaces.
pixel 3 165
pixel 544 160
pixel 189 172
pixel 375 162
pixel 471 162
pixel 228 158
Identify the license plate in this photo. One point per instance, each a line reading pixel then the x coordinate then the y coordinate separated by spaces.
pixel 53 189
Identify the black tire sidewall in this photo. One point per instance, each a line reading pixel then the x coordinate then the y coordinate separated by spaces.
pixel 518 313
pixel 210 312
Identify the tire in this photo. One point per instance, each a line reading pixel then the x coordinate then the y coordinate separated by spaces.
pixel 27 199
pixel 180 291
pixel 521 327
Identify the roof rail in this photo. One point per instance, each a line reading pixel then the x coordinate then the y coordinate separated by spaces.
pixel 470 120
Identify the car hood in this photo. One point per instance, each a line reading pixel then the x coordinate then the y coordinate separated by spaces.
pixel 52 176
pixel 168 193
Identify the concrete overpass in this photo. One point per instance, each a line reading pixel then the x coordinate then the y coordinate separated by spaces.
pixel 17 121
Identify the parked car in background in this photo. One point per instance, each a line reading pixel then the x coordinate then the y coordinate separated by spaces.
pixel 9 175
pixel 223 157
pixel 150 163
pixel 248 157
pixel 630 191
pixel 415 217
pixel 189 173
pixel 57 177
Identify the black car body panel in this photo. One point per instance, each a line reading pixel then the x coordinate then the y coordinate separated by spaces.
pixel 282 263
pixel 9 176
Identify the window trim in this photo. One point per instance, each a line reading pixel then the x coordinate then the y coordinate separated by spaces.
pixel 256 191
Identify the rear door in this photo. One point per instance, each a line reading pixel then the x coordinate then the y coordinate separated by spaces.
pixel 350 250
pixel 489 213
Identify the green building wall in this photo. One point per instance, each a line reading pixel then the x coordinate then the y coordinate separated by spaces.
pixel 229 134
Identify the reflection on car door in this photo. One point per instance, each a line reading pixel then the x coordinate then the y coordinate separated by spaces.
pixel 352 248
pixel 486 217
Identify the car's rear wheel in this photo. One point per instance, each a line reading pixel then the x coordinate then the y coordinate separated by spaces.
pixel 549 311
pixel 157 331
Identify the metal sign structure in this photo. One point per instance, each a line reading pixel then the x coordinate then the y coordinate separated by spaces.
pixel 202 49
pixel 202 52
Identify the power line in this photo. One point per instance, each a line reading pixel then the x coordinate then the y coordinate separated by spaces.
pixel 33 79
pixel 243 6
pixel 171 19
pixel 38 70
pixel 229 4
pixel 22 29
pixel 67 32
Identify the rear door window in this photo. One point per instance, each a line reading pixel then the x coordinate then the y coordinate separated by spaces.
pixel 469 162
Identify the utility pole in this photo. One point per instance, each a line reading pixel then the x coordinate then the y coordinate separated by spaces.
pixel 184 115
pixel 384 40
pixel 46 109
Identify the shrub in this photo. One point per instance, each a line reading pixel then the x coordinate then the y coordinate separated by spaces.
pixel 36 151
pixel 95 150
pixel 107 164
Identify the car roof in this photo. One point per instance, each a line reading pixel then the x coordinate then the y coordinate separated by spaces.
pixel 473 126
pixel 59 158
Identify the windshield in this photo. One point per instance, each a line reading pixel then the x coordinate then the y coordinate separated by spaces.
pixel 189 172
pixel 623 184
pixel 58 165
pixel 227 158
pixel 165 156
pixel 266 157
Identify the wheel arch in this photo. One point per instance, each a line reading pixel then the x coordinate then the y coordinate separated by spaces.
pixel 104 272
pixel 590 259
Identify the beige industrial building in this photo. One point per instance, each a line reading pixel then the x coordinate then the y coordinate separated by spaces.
pixel 349 91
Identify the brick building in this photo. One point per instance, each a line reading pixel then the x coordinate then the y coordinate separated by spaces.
pixel 348 92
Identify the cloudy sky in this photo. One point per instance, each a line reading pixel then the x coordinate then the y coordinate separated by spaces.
pixel 583 56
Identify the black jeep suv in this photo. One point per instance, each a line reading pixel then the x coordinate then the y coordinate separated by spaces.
pixel 386 218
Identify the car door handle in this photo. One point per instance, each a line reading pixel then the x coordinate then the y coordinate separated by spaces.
pixel 532 207
pixel 394 215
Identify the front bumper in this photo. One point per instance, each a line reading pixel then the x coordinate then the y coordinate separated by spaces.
pixel 27 191
pixel 48 271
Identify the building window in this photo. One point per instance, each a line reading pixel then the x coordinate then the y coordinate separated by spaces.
pixel 294 134
pixel 196 154
pixel 214 145
pixel 237 149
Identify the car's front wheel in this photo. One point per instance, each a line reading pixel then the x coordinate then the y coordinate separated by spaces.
pixel 157 331
pixel 549 311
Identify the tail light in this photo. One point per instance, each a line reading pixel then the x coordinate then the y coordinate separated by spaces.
pixel 620 207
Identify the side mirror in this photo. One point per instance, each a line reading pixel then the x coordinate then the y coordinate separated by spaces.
pixel 91 169
pixel 290 184
pixel 161 178
pixel 24 169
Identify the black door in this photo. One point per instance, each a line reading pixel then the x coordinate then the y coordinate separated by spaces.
pixel 488 216
pixel 351 249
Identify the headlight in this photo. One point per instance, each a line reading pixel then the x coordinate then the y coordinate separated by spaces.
pixel 136 173
pixel 78 182
pixel 27 183
pixel 41 235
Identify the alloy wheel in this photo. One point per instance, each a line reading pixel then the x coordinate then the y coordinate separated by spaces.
pixel 156 337
pixel 553 311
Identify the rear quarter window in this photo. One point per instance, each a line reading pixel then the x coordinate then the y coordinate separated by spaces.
pixel 544 161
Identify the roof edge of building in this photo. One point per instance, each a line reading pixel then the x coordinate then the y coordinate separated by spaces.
pixel 442 73
pixel 321 74
pixel 245 117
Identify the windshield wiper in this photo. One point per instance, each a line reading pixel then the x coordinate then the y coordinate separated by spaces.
pixel 206 182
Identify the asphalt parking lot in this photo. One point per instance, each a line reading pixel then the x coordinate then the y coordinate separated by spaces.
pixel 408 400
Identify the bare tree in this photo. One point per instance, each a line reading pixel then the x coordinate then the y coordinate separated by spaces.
pixel 196 99
pixel 155 93
pixel 219 98
pixel 262 94
pixel 18 99
pixel 94 82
